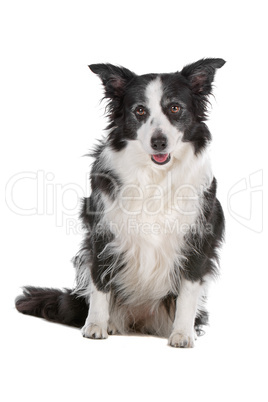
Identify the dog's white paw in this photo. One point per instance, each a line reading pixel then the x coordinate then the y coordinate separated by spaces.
pixel 180 340
pixel 94 331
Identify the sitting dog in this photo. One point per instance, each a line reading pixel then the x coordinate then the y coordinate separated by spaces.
pixel 153 224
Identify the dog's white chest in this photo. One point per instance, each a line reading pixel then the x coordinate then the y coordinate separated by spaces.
pixel 149 222
pixel 149 217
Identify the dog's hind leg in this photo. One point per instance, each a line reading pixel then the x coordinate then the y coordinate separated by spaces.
pixel 96 325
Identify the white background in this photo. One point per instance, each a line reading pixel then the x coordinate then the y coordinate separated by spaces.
pixel 50 117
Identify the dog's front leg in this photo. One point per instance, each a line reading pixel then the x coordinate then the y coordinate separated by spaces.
pixel 183 333
pixel 96 325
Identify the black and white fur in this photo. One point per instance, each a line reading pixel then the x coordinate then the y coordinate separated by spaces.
pixel 153 223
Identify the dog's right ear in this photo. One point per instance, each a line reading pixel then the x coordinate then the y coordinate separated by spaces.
pixel 201 75
pixel 114 78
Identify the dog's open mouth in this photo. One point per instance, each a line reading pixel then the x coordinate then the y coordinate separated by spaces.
pixel 160 159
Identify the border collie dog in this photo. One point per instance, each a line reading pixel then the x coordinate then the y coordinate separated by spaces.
pixel 153 224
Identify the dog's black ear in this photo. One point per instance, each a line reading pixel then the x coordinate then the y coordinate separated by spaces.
pixel 201 74
pixel 114 78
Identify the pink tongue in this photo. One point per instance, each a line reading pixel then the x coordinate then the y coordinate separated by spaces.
pixel 160 157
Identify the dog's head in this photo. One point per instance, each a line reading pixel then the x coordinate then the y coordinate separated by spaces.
pixel 159 110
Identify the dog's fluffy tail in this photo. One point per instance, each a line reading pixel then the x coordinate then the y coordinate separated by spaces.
pixel 61 306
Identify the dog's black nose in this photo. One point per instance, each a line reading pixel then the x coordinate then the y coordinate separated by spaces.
pixel 159 142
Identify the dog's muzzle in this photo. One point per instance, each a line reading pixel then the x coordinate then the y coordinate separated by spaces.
pixel 159 143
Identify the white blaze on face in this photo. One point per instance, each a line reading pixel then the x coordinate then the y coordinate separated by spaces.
pixel 157 120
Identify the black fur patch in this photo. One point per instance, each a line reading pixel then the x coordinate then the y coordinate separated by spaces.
pixel 201 250
pixel 106 181
pixel 199 135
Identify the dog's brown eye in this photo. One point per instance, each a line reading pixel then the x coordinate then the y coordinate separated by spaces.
pixel 140 111
pixel 175 108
